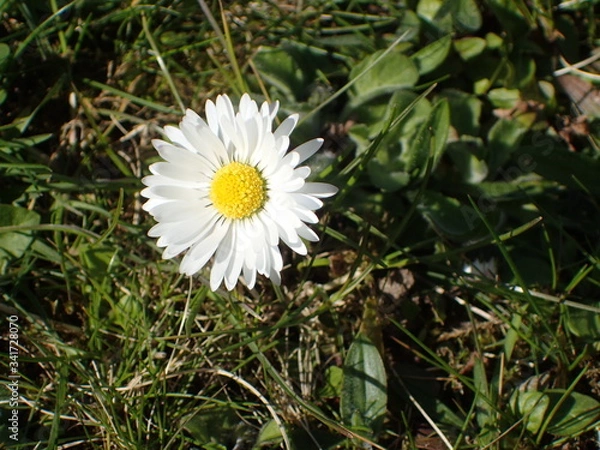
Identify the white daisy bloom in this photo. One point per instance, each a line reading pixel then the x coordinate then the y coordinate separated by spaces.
pixel 229 190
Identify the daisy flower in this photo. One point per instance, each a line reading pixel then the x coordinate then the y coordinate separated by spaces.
pixel 229 191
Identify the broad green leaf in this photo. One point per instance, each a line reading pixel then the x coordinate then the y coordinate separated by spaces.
pixel 577 412
pixel 13 243
pixel 512 16
pixel 391 73
pixel 291 69
pixel 584 324
pixel 98 259
pixel 432 56
pixel 466 15
pixel 568 413
pixel 213 424
pixel 449 217
pixel 445 15
pixel 504 98
pixel 551 160
pixel 385 178
pixel 437 14
pixel 364 389
pixel 465 111
pixel 469 47
pixel 429 141
pixel 524 72
pixel 504 137
pixel 278 68
pixel 464 155
pixel 333 378
pixel 439 125
pixel 493 41
pixel 387 169
pixel 531 406
pixel 410 25
pixel 361 136
pixel 269 434
pixel 128 312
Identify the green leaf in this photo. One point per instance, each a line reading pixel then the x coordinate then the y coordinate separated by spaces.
pixel 333 378
pixel 584 324
pixel 466 15
pixel 465 111
pixel 432 56
pixel 504 98
pixel 387 169
pixel 292 67
pixel 269 434
pixel 532 407
pixel 364 388
pixel 213 424
pixel 429 141
pixel 97 259
pixel 465 156
pixel 4 53
pixel 551 160
pixel 524 72
pixel 279 69
pixel 448 216
pixel 505 136
pixel 576 412
pixel 462 15
pixel 374 78
pixel 469 47
pixel 13 243
pixel 436 14
pixel 568 413
pixel 385 178
pixel 511 16
pixel 128 312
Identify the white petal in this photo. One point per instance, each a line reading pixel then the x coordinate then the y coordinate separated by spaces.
pixel 302 172
pixel 307 201
pixel 320 190
pixel 190 174
pixel 287 126
pixel 269 111
pixel 248 107
pixel 172 192
pixel 174 250
pixel 225 111
pixel 177 155
pixel 222 259
pixel 305 215
pixel 249 274
pixel 205 142
pixel 308 149
pixel 203 250
pixel 212 117
pixel 306 233
pixel 293 185
pixel 176 137
pixel 178 210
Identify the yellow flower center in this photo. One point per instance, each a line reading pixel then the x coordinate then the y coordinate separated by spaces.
pixel 238 190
